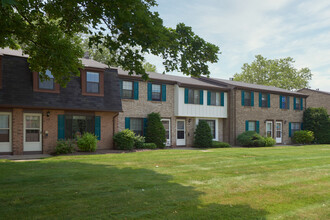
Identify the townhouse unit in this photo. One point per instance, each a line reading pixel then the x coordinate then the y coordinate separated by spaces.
pixel 268 110
pixel 34 114
pixel 317 98
pixel 181 101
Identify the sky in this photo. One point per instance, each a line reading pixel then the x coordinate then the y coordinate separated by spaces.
pixel 244 28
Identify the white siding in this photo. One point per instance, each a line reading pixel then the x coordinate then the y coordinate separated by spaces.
pixel 196 110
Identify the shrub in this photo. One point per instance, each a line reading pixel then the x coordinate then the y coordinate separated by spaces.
pixel 218 144
pixel 124 140
pixel 203 136
pixel 139 141
pixel 155 131
pixel 317 120
pixel 269 142
pixel 258 140
pixel 303 137
pixel 149 146
pixel 64 147
pixel 245 139
pixel 87 142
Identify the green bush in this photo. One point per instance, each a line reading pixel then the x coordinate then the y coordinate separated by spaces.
pixel 149 146
pixel 203 136
pixel 269 142
pixel 138 142
pixel 245 139
pixel 218 144
pixel 124 140
pixel 317 120
pixel 64 147
pixel 155 131
pixel 87 142
pixel 253 139
pixel 258 140
pixel 303 137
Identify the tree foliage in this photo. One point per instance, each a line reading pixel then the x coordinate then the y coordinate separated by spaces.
pixel 148 67
pixel 203 136
pixel 278 72
pixel 317 120
pixel 155 131
pixel 48 31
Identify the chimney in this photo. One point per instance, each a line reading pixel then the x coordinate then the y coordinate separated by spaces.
pixel 231 79
pixel 86 55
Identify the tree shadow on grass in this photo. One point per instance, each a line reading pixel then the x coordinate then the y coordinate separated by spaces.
pixel 75 190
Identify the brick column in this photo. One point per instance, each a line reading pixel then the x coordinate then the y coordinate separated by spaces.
pixel 17 131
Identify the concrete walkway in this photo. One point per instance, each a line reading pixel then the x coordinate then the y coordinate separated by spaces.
pixel 28 157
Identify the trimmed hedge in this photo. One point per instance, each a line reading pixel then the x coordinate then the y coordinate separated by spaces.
pixel 203 136
pixel 88 142
pixel 64 147
pixel 218 144
pixel 124 140
pixel 155 131
pixel 139 142
pixel 303 137
pixel 253 139
pixel 149 146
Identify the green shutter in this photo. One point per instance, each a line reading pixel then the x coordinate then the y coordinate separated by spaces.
pixel 98 127
pixel 268 100
pixel 136 90
pixel 302 126
pixel 121 87
pixel 260 99
pixel 201 97
pixel 280 102
pixel 149 91
pixel 222 101
pixel 164 93
pixel 145 120
pixel 127 123
pixel 288 101
pixel 208 97
pixel 242 98
pixel 301 103
pixel 246 125
pixel 186 91
pixel 289 129
pixel 252 98
pixel 294 103
pixel 61 127
pixel 257 127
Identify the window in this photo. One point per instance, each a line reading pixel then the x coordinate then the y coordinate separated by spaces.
pixel 47 83
pixel 269 129
pixel 211 123
pixel 297 103
pixel 156 92
pixel 251 126
pixel 247 99
pixel 136 125
pixel 193 96
pixel 295 127
pixel 215 98
pixel 77 125
pixel 128 90
pixel 93 82
pixel 264 100
pixel 284 102
pixel 4 128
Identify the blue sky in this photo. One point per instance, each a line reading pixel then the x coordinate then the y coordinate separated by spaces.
pixel 245 28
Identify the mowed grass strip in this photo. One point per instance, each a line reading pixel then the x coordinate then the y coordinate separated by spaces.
pixel 236 183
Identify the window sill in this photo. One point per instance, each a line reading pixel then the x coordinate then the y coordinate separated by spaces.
pixel 93 94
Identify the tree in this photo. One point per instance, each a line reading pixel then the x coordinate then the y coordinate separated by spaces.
pixel 203 136
pixel 49 32
pixel 148 67
pixel 279 73
pixel 155 131
pixel 317 120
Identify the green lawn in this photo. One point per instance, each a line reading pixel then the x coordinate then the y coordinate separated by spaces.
pixel 242 183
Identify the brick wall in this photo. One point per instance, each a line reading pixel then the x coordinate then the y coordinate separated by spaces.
pixel 107 129
pixel 317 99
pixel 17 131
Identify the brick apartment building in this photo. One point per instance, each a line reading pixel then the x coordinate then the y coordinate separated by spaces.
pixel 317 98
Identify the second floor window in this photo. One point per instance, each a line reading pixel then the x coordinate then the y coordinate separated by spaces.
pixel 264 100
pixel 215 98
pixel 284 102
pixel 247 99
pixel 297 103
pixel 47 83
pixel 128 90
pixel 193 96
pixel 156 92
pixel 92 82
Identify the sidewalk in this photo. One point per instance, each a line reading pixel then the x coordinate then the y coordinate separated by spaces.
pixel 25 157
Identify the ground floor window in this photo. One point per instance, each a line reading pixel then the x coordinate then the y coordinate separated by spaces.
pixel 295 126
pixel 4 127
pixel 136 125
pixel 77 125
pixel 251 126
pixel 211 123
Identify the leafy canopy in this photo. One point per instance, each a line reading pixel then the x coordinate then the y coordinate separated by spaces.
pixel 48 31
pixel 279 72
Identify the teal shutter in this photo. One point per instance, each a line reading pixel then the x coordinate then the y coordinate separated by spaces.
pixel 281 102
pixel 186 91
pixel 288 100
pixel 149 91
pixel 145 120
pixel 201 97
pixel 208 98
pixel 289 129
pixel 301 103
pixel 164 93
pixel 127 123
pixel 246 125
pixel 121 87
pixel 268 100
pixel 252 98
pixel 222 101
pixel 260 99
pixel 136 90
pixel 294 103
pixel 242 98
pixel 257 126
pixel 302 126
pixel 98 127
pixel 61 127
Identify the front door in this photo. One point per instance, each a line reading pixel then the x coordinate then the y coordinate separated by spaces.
pixel 5 132
pixel 180 133
pixel 278 132
pixel 167 126
pixel 269 129
pixel 32 132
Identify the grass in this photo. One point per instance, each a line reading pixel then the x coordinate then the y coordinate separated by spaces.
pixel 235 183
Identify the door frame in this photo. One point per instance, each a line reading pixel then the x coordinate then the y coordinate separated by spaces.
pixel 272 128
pixel 9 148
pixel 40 132
pixel 277 142
pixel 168 141
pixel 184 132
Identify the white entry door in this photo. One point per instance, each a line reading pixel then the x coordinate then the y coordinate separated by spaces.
pixel 167 126
pixel 5 132
pixel 32 132
pixel 180 133
pixel 269 129
pixel 278 132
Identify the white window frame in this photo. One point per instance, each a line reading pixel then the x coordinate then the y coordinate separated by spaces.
pixel 271 128
pixel 6 147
